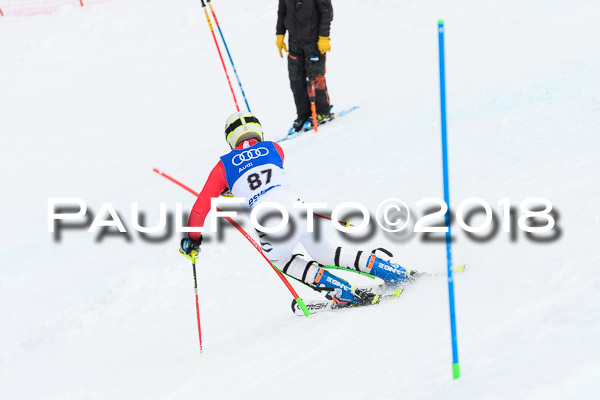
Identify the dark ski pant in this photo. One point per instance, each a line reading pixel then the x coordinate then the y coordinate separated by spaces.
pixel 306 67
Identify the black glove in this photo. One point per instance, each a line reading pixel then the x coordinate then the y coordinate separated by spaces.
pixel 188 245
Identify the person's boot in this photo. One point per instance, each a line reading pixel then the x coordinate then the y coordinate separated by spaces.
pixel 391 273
pixel 321 119
pixel 340 291
pixel 297 125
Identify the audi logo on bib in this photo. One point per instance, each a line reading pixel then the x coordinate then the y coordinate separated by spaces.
pixel 249 155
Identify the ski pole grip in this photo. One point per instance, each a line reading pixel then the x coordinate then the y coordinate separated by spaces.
pixel 192 256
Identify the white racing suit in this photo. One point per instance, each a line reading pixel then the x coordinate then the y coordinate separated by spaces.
pixel 256 173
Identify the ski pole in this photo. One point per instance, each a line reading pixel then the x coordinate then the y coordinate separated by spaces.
pixel 229 54
pixel 252 242
pixel 312 99
pixel 455 363
pixel 220 55
pixel 343 223
pixel 193 257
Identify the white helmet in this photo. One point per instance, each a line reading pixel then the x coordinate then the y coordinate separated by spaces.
pixel 242 126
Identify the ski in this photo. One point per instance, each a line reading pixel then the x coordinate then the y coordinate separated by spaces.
pixel 457 270
pixel 301 131
pixel 382 292
pixel 315 306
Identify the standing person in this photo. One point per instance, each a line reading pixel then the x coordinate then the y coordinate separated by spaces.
pixel 253 170
pixel 308 23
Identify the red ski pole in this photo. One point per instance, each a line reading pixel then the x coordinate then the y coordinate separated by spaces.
pixel 220 55
pixel 250 239
pixel 193 258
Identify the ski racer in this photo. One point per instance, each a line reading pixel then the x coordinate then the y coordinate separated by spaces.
pixel 253 170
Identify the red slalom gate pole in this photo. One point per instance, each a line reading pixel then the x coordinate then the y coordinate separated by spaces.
pixel 220 55
pixel 229 54
pixel 81 2
pixel 299 301
pixel 1 13
pixel 175 181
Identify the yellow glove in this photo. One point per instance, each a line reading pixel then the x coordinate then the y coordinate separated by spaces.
pixel 280 45
pixel 323 44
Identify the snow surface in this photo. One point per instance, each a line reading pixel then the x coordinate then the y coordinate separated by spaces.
pixel 92 99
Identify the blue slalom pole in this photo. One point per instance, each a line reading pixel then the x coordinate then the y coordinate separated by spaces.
pixel 455 363
pixel 229 54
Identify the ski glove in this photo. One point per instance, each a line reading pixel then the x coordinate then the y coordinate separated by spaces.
pixel 323 44
pixel 188 245
pixel 281 45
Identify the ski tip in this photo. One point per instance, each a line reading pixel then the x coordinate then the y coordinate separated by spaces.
pixel 440 22
pixel 460 268
pixel 397 293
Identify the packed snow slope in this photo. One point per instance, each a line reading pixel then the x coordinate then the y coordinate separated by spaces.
pixel 92 99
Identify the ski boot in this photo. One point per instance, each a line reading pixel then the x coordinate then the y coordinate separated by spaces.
pixel 297 126
pixel 321 119
pixel 340 291
pixel 392 274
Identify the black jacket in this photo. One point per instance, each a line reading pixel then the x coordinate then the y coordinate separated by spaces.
pixel 305 20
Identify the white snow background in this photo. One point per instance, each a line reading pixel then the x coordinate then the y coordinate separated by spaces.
pixel 92 99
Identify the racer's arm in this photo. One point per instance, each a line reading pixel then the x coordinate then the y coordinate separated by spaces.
pixel 214 186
